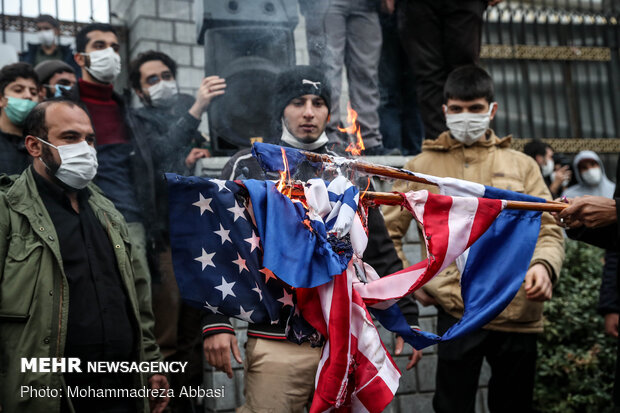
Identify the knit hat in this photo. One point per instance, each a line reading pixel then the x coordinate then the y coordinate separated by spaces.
pixel 298 81
pixel 46 69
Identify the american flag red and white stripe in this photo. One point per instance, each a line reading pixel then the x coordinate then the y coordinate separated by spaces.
pixel 356 372
pixel 450 226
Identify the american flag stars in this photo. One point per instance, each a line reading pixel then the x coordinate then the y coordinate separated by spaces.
pixel 258 291
pixel 287 299
pixel 245 315
pixel 254 241
pixel 206 259
pixel 240 263
pixel 210 307
pixel 203 203
pixel 223 253
pixel 226 288
pixel 237 212
pixel 268 274
pixel 224 234
pixel 220 184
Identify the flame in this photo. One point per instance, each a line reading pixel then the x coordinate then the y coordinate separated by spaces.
pixel 285 177
pixel 355 148
pixel 365 190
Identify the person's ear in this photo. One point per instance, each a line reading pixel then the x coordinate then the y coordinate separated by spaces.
pixel 81 59
pixel 444 109
pixel 3 101
pixel 493 110
pixel 329 117
pixel 33 146
pixel 140 94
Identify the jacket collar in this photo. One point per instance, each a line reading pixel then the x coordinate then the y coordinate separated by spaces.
pixel 96 92
pixel 23 195
pixel 445 142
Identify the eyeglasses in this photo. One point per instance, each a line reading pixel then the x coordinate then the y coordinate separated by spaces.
pixel 154 79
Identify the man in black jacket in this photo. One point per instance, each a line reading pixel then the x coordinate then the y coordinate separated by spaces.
pixel 48 48
pixel 594 220
pixel 301 105
pixel 125 173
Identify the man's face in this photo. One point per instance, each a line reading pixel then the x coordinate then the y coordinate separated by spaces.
pixel 543 160
pixel 306 117
pixel 151 73
pixel 549 155
pixel 97 40
pixel 586 164
pixel 480 105
pixel 47 26
pixel 63 78
pixel 20 88
pixel 65 125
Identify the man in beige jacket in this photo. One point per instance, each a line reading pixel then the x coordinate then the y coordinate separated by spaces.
pixel 471 151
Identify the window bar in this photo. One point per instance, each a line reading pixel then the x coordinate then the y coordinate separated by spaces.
pixel 515 65
pixel 541 80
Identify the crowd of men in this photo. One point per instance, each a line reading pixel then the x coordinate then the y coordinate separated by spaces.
pixel 85 258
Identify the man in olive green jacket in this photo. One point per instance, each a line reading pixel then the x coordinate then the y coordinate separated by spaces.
pixel 36 289
pixel 471 151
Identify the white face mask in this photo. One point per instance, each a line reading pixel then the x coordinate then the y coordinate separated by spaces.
pixel 105 65
pixel 469 127
pixel 46 37
pixel 592 176
pixel 547 169
pixel 78 163
pixel 162 91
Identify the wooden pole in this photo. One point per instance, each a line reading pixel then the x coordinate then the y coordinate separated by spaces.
pixel 386 198
pixel 393 198
pixel 370 168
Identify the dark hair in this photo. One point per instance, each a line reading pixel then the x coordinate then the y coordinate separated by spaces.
pixel 35 125
pixel 468 83
pixel 81 38
pixel 10 73
pixel 46 18
pixel 149 55
pixel 535 147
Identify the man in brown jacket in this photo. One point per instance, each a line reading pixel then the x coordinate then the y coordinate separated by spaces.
pixel 471 151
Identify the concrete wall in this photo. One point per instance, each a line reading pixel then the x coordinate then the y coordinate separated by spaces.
pixel 168 26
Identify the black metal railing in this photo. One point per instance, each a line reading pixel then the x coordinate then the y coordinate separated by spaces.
pixel 556 68
pixel 17 18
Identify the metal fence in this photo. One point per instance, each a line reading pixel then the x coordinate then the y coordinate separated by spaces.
pixel 17 18
pixel 18 27
pixel 556 69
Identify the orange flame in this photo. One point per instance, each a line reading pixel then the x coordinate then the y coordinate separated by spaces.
pixel 355 148
pixel 365 190
pixel 285 177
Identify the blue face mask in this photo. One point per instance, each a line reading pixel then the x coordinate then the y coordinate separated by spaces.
pixel 62 90
pixel 17 109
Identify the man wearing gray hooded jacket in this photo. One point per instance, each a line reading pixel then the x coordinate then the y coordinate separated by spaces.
pixel 591 178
